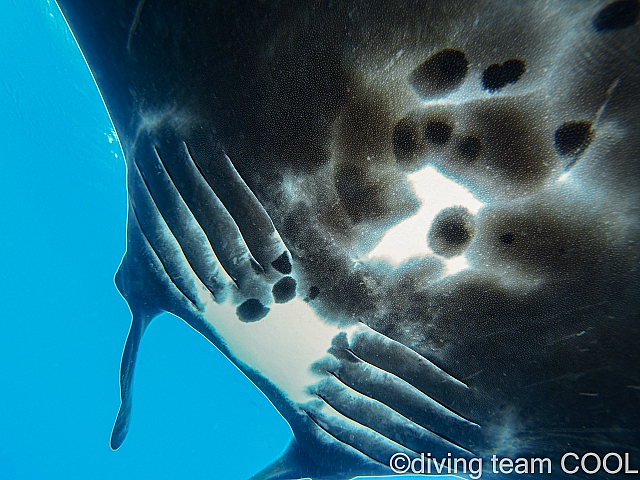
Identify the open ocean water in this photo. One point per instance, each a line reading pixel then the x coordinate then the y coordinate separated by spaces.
pixel 63 324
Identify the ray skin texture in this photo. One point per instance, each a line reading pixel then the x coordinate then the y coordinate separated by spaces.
pixel 270 146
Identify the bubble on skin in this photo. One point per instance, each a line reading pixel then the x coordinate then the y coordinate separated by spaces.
pixel 451 232
pixel 439 74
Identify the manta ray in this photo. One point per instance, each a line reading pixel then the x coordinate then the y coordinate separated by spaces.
pixel 414 226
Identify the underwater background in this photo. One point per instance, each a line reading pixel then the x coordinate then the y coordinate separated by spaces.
pixel 62 322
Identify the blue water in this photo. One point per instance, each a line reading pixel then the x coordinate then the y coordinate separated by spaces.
pixel 62 322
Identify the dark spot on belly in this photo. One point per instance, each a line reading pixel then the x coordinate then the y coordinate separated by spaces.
pixel 617 15
pixel 506 238
pixel 439 74
pixel 451 232
pixel 282 264
pixel 497 76
pixel 251 310
pixel 572 138
pixel 470 147
pixel 438 132
pixel 284 290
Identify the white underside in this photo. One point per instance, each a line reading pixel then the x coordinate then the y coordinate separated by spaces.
pixel 282 346
pixel 408 239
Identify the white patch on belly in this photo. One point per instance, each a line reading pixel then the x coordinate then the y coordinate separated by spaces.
pixel 282 346
pixel 408 239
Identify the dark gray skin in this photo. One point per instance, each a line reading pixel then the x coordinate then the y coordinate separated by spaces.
pixel 319 107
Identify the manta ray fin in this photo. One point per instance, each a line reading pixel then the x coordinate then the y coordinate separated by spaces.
pixel 289 465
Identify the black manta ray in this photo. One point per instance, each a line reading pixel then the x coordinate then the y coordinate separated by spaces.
pixel 413 225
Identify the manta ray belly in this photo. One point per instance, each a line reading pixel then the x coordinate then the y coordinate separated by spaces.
pixel 267 348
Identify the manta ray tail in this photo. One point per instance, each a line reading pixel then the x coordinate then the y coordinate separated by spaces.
pixel 137 287
pixel 121 426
